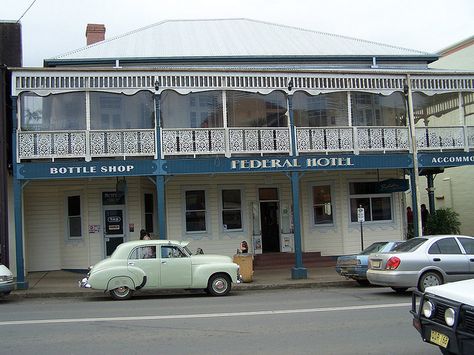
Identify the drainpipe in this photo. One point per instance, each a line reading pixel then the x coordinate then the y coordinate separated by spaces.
pixel 298 271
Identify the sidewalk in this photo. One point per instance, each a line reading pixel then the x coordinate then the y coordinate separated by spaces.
pixel 65 283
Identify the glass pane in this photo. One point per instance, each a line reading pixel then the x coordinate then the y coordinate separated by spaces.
pixel 75 229
pixel 246 109
pixel 320 110
pixel 149 222
pixel 196 221
pixel 381 209
pixel 53 112
pixel 360 202
pixel 232 219
pixel 231 199
pixel 437 110
pixel 195 200
pixel 448 246
pixel 468 104
pixel 74 205
pixel 468 245
pixel 119 111
pixel 378 110
pixel 268 194
pixel 322 207
pixel 195 110
pixel 149 203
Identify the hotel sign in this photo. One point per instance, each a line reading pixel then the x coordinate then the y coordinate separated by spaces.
pixel 275 164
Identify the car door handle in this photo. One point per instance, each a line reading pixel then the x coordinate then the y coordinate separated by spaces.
pixel 131 263
pixel 436 259
pixel 163 261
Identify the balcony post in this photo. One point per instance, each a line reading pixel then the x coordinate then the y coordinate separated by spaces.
pixel 298 271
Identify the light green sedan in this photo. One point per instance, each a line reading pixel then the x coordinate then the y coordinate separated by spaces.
pixel 161 264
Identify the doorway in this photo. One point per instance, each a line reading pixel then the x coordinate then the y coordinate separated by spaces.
pixel 269 221
pixel 114 221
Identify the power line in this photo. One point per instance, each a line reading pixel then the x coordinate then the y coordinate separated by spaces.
pixel 29 7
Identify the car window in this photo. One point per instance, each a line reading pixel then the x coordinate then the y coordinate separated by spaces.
pixel 395 245
pixel 373 248
pixel 410 245
pixel 467 244
pixel 148 252
pixel 445 246
pixel 172 251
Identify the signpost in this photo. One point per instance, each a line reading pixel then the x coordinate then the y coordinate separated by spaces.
pixel 361 219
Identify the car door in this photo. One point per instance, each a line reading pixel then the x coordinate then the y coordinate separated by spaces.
pixel 144 258
pixel 446 254
pixel 175 267
pixel 468 245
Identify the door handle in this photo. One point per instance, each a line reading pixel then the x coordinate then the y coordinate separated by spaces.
pixel 163 261
pixel 436 259
pixel 131 263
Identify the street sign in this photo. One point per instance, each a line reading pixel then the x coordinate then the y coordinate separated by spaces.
pixel 360 215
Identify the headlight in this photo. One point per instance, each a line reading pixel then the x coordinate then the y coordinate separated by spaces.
pixel 449 316
pixel 428 309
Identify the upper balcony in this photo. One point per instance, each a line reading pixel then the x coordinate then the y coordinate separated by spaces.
pixel 79 116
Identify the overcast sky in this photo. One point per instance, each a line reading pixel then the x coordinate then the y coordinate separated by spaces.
pixel 53 27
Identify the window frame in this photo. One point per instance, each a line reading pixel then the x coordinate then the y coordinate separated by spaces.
pixel 370 196
pixel 312 205
pixel 154 230
pixel 67 217
pixel 185 211
pixel 221 209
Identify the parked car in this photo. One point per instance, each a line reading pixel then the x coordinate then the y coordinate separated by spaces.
pixel 7 284
pixel 424 261
pixel 444 316
pixel 355 266
pixel 161 264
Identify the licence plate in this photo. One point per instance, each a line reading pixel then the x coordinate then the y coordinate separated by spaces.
pixel 439 339
pixel 375 264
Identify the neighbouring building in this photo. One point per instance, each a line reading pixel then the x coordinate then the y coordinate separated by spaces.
pixel 454 188
pixel 219 131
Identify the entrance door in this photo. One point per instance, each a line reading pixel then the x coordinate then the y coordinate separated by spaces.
pixel 269 212
pixel 114 232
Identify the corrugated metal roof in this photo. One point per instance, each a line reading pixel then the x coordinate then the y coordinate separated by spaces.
pixel 231 38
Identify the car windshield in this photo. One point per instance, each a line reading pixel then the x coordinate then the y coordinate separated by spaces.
pixel 373 248
pixel 410 245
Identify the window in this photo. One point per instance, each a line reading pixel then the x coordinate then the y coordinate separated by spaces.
pixel 445 246
pixel 322 110
pixel 232 209
pixel 378 110
pixel 146 252
pixel 171 251
pixel 468 245
pixel 149 215
pixel 322 205
pixel 74 219
pixel 377 207
pixel 195 211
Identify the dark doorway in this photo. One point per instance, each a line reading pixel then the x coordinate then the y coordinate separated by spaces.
pixel 269 220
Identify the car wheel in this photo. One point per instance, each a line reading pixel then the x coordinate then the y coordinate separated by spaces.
pixel 219 285
pixel 121 293
pixel 400 289
pixel 430 278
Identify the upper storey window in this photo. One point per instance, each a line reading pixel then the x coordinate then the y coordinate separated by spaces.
pixel 378 110
pixel 118 111
pixel 53 112
pixel 195 110
pixel 321 110
pixel 246 109
pixel 441 109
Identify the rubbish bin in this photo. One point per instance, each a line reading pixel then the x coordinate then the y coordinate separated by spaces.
pixel 245 262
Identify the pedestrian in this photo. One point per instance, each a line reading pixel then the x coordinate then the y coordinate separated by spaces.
pixel 144 235
pixel 424 217
pixel 409 223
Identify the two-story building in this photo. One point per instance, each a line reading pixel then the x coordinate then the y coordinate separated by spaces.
pixel 219 131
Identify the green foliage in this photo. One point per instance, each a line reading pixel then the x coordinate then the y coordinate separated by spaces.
pixel 443 221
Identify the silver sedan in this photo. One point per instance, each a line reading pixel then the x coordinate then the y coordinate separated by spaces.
pixel 424 261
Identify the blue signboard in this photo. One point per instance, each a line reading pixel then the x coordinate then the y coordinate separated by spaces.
pixel 445 159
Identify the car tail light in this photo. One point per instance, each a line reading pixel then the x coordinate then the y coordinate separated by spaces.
pixel 392 263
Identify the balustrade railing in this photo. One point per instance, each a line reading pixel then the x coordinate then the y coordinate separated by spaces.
pixel 85 144
pixel 236 141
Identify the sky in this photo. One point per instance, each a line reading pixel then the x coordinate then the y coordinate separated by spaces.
pixel 54 27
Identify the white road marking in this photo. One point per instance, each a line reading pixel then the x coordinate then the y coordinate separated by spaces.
pixel 202 315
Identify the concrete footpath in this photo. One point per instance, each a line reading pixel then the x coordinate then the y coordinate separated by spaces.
pixel 65 283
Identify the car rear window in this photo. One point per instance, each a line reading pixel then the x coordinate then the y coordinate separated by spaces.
pixel 410 245
pixel 373 248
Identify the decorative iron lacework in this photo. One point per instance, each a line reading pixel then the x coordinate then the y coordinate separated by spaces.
pixel 44 82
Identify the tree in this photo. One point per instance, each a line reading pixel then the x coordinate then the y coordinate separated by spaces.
pixel 443 221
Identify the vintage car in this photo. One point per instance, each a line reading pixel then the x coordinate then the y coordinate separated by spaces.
pixel 422 262
pixel 355 266
pixel 444 316
pixel 7 284
pixel 161 264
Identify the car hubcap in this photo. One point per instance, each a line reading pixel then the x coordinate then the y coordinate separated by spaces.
pixel 219 285
pixel 431 281
pixel 122 291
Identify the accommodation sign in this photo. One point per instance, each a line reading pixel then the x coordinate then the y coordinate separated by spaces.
pixel 446 159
